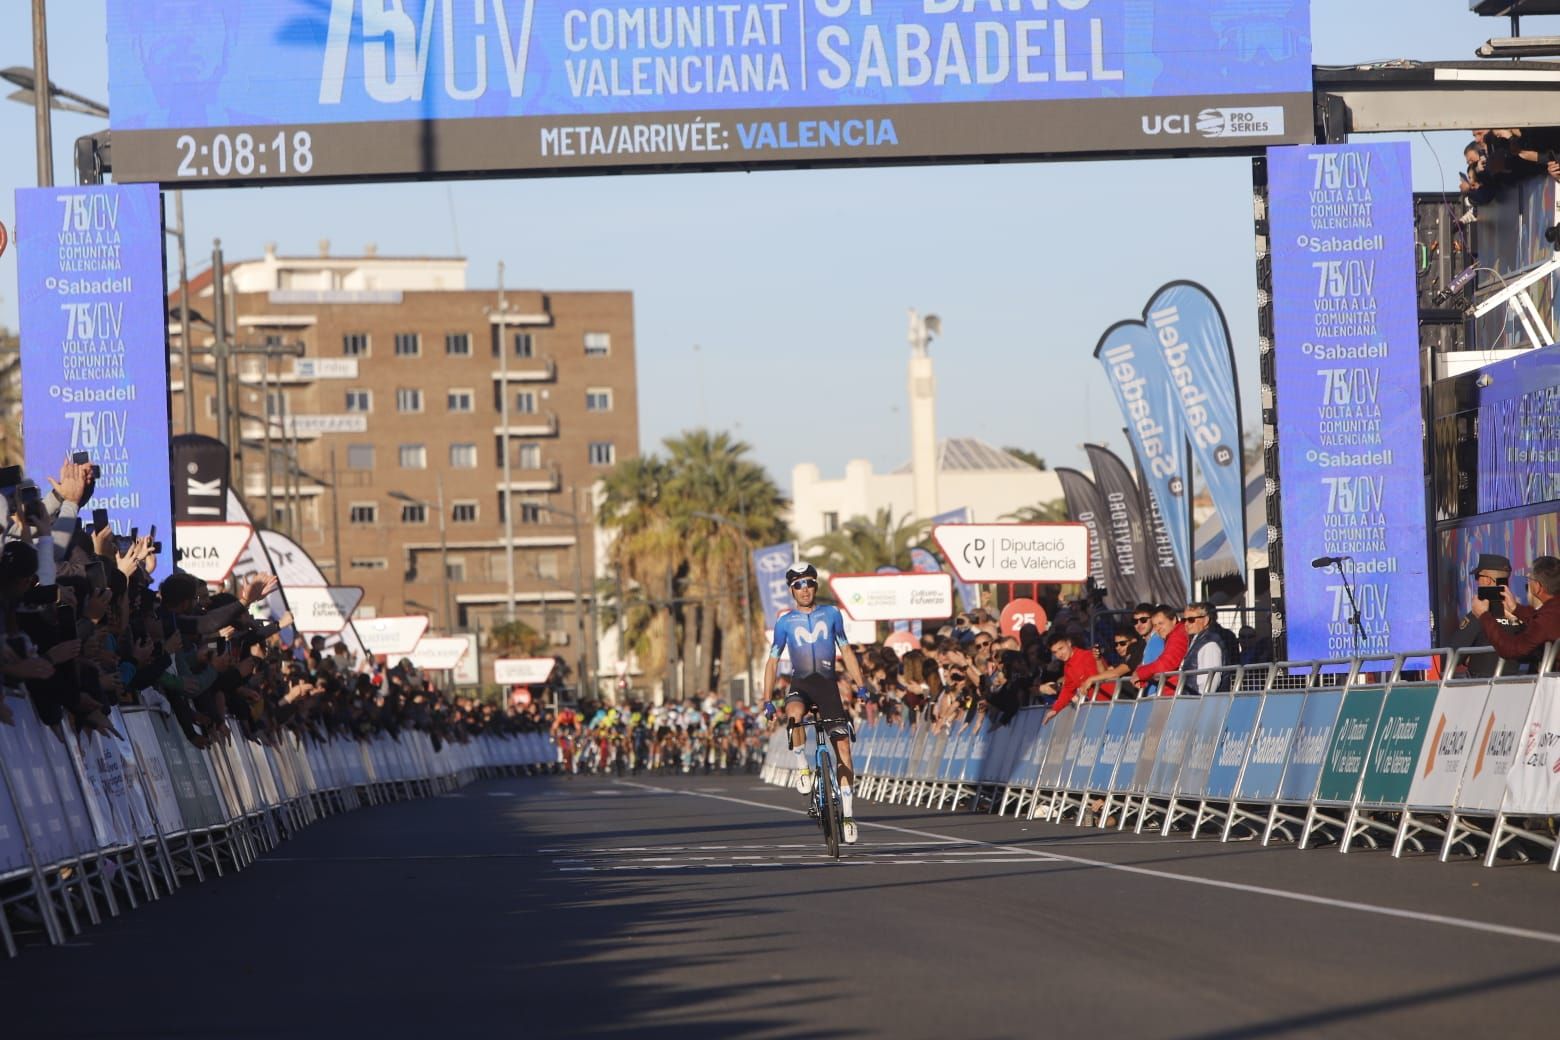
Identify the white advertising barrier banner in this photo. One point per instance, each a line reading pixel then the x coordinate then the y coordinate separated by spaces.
pixel 322 609
pixel 523 671
pixel 140 728
pixel 32 786
pixel 1015 552
pixel 108 793
pixel 1443 759
pixel 137 800
pixel 392 636
pixel 1533 784
pixel 893 597
pixel 1495 747
pixel 468 670
pixel 209 551
pixel 439 653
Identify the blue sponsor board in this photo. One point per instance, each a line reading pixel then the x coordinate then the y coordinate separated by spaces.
pixel 1173 740
pixel 1270 748
pixel 1132 750
pixel 1116 725
pixel 1161 74
pixel 1230 752
pixel 1350 429
pixel 1308 752
pixel 94 356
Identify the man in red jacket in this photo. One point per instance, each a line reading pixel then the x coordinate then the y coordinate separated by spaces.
pixel 1538 625
pixel 1173 632
pixel 1079 666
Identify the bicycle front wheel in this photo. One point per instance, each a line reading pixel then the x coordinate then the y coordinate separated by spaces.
pixel 829 810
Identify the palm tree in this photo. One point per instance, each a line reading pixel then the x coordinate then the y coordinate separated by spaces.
pixel 645 552
pixel 686 526
pixel 728 504
pixel 1052 512
pixel 861 546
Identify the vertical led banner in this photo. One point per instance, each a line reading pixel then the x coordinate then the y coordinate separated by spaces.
pixel 94 354
pixel 1346 369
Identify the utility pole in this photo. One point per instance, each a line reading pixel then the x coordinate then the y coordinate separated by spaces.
pixel 266 414
pixel 444 557
pixel 671 634
pixel 43 96
pixel 335 512
pixel 579 598
pixel 185 350
pixel 503 440
pixel 219 349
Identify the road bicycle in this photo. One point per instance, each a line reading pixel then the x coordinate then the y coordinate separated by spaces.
pixel 826 805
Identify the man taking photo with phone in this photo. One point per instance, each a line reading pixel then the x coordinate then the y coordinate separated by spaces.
pixel 1493 572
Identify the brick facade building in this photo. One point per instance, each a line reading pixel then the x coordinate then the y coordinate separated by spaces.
pixel 396 404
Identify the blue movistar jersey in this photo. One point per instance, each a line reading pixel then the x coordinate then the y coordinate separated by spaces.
pixel 811 638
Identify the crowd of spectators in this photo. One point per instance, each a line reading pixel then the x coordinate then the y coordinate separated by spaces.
pixel 970 668
pixel 84 627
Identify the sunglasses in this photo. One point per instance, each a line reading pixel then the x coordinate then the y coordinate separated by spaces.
pixel 1194 617
pixel 982 642
pixel 1140 621
pixel 1123 642
pixel 804 583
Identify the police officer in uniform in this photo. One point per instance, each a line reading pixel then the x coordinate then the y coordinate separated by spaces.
pixel 1492 570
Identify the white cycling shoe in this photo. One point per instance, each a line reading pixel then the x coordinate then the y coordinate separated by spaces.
pixel 804 781
pixel 848 832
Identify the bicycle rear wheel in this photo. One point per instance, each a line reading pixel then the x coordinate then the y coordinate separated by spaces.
pixel 829 809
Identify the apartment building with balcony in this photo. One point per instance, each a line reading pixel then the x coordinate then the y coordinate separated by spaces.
pixel 408 389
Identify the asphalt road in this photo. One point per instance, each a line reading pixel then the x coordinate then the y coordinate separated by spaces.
pixel 692 908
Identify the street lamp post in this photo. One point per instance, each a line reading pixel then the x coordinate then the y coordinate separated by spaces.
pixel 444 544
pixel 747 591
pixel 584 655
pixel 42 122
pixel 503 448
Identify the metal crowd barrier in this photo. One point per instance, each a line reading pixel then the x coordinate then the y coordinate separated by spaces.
pixel 92 824
pixel 1350 752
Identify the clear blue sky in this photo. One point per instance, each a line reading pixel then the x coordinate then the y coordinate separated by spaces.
pixel 774 303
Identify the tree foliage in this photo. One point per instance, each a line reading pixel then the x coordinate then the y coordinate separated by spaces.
pixel 862 545
pixel 685 523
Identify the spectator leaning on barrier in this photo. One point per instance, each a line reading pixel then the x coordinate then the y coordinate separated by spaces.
pixel 1078 666
pixel 1175 641
pixel 1539 625
pixel 1491 571
pixel 1129 652
pixel 1211 646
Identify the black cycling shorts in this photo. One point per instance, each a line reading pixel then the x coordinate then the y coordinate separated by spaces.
pixel 818 693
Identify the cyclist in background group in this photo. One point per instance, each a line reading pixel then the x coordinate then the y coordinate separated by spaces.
pixel 812 633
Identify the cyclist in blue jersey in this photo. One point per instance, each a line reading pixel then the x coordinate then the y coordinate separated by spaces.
pixel 813 633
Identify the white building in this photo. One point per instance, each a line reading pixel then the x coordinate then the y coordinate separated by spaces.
pixel 970 473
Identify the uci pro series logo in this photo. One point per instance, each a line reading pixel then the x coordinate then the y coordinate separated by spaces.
pixel 1219 123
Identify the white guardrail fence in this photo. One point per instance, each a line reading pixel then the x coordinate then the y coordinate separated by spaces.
pixel 1299 751
pixel 91 824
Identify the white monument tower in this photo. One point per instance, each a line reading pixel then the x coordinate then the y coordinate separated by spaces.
pixel 923 414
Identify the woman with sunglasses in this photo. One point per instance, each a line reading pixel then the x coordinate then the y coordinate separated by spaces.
pixel 812 632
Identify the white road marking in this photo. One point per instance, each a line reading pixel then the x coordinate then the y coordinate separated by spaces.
pixel 1164 875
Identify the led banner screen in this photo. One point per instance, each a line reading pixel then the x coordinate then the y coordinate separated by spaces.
pixel 94 362
pixel 1350 432
pixel 270 90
